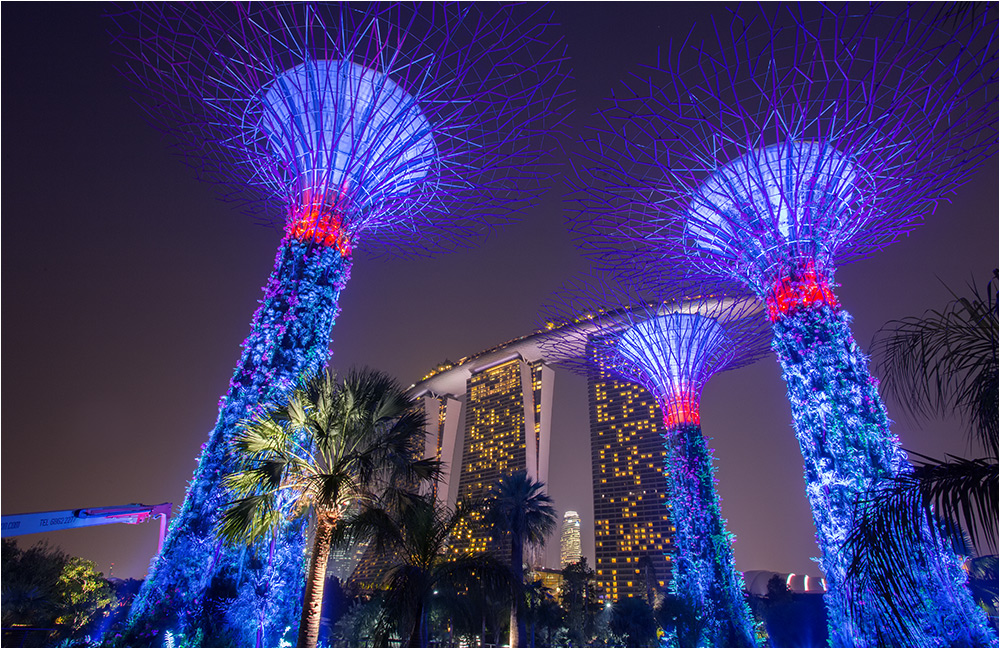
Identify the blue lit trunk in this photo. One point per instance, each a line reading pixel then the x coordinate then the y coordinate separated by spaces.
pixel 843 432
pixel 704 573
pixel 197 588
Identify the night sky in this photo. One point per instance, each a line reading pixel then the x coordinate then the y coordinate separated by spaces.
pixel 128 288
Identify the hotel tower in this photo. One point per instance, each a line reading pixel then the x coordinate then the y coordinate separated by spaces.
pixel 491 413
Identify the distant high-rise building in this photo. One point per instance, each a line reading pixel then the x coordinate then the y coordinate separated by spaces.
pixel 631 524
pixel 344 561
pixel 569 541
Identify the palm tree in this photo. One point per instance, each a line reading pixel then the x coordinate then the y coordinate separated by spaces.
pixel 536 594
pixel 944 362
pixel 549 616
pixel 520 512
pixel 426 577
pixel 580 600
pixel 331 447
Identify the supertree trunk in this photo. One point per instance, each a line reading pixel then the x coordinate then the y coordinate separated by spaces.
pixel 383 124
pixel 843 432
pixel 290 336
pixel 704 572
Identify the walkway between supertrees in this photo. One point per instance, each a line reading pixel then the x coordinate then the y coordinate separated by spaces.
pixel 790 146
pixel 374 125
pixel 672 341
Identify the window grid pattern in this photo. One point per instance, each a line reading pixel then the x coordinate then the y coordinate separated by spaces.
pixel 494 443
pixel 630 515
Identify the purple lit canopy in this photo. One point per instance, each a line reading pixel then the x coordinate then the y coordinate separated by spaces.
pixel 340 128
pixel 669 340
pixel 408 123
pixel 770 157
pixel 803 148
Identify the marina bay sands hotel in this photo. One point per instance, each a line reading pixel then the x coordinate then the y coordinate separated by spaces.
pixel 491 414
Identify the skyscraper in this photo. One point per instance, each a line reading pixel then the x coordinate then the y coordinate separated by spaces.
pixel 569 541
pixel 442 413
pixel 494 415
pixel 503 433
pixel 631 525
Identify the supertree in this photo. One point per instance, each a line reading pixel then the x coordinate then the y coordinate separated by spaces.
pixel 783 147
pixel 375 125
pixel 672 341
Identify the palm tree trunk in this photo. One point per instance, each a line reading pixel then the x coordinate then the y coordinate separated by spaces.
pixel 316 581
pixel 415 631
pixel 517 568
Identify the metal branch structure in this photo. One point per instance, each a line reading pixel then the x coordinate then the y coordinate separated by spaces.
pixel 390 127
pixel 783 147
pixel 672 342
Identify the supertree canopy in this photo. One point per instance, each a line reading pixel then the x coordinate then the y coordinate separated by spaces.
pixel 377 125
pixel 672 342
pixel 769 154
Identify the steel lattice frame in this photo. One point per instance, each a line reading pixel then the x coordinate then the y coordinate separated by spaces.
pixel 389 127
pixel 672 342
pixel 786 146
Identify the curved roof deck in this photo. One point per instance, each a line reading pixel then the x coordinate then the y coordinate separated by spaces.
pixel 544 344
pixel 451 378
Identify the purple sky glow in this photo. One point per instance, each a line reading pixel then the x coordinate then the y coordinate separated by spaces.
pixel 128 289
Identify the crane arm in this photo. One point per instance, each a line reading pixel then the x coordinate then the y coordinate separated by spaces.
pixel 33 523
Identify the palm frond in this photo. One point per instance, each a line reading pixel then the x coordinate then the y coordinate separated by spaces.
pixel 262 434
pixel 963 493
pixel 265 475
pixel 521 505
pixel 372 525
pixel 893 518
pixel 247 519
pixel 983 582
pixel 946 362
pixel 954 495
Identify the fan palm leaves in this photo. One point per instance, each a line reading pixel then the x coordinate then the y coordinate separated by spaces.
pixel 520 512
pixel 425 578
pixel 945 362
pixel 332 446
